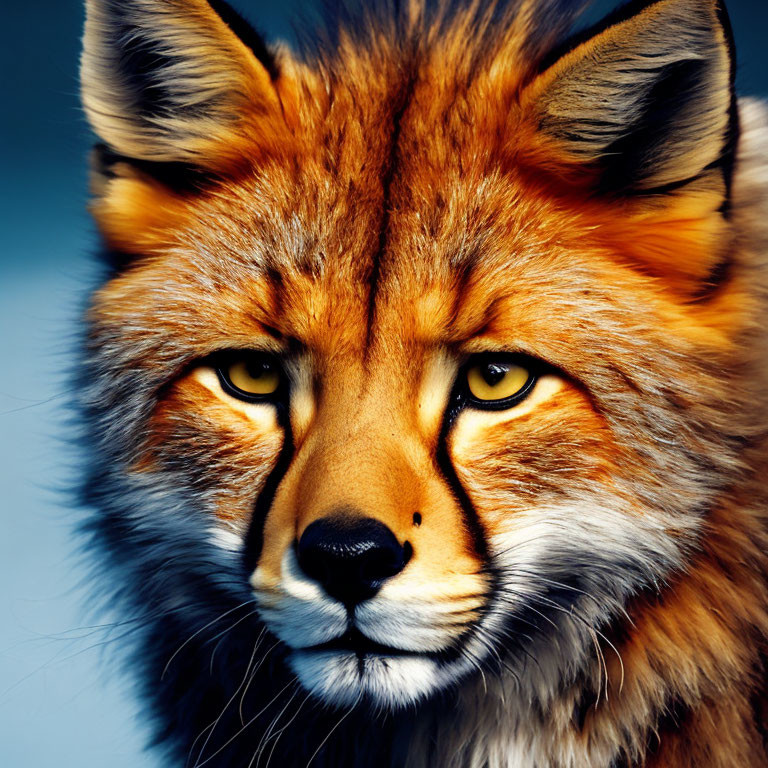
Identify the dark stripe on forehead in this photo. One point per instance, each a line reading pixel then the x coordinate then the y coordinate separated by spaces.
pixel 277 293
pixel 402 99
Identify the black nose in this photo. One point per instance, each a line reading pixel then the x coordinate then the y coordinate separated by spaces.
pixel 351 557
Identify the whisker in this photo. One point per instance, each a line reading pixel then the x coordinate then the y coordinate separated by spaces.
pixel 267 735
pixel 573 614
pixel 247 725
pixel 259 641
pixel 545 617
pixel 222 635
pixel 212 726
pixel 253 676
pixel 202 629
pixel 285 727
pixel 328 735
pixel 539 578
pixel 514 636
pixel 488 644
pixel 478 665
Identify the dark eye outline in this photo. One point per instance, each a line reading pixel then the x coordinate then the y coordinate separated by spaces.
pixel 484 358
pixel 221 361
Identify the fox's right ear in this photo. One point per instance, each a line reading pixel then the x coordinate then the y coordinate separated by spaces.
pixel 177 81
pixel 647 102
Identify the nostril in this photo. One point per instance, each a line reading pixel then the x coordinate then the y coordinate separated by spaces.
pixel 313 562
pixel 384 563
pixel 351 557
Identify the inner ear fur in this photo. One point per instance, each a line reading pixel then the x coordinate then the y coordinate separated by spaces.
pixel 170 81
pixel 647 102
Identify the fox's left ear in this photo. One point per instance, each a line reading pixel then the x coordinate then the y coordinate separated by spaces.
pixel 177 81
pixel 647 103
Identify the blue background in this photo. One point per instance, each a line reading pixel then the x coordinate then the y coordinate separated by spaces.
pixel 62 701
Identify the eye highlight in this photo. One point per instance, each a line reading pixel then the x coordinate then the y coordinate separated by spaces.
pixel 250 375
pixel 498 381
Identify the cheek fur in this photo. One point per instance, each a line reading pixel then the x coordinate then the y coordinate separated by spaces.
pixel 217 446
pixel 509 460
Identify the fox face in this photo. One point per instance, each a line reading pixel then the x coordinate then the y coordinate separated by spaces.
pixel 431 348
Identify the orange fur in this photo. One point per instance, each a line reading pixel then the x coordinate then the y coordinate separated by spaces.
pixel 410 199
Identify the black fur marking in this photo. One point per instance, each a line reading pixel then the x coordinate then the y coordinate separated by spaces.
pixel 255 537
pixel 403 99
pixel 718 276
pixel 728 157
pixel 247 34
pixel 632 157
pixel 137 62
pixel 116 261
pixel 181 178
pixel 448 471
pixel 141 62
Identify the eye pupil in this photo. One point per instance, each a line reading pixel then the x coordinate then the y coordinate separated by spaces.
pixel 498 382
pixel 257 368
pixel 493 373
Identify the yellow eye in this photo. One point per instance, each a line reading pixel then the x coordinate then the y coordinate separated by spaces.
pixel 250 375
pixel 498 380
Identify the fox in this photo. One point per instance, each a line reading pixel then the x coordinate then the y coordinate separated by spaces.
pixel 425 388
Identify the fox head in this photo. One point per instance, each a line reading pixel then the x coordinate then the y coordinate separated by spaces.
pixel 428 345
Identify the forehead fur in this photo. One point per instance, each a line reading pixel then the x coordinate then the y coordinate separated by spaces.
pixel 418 119
pixel 346 102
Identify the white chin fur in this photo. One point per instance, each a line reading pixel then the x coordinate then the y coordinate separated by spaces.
pixel 386 681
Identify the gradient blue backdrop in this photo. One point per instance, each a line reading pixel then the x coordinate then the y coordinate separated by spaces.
pixel 61 702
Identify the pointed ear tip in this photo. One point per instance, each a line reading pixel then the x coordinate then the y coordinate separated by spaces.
pixel 705 5
pixel 716 10
pixel 709 16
